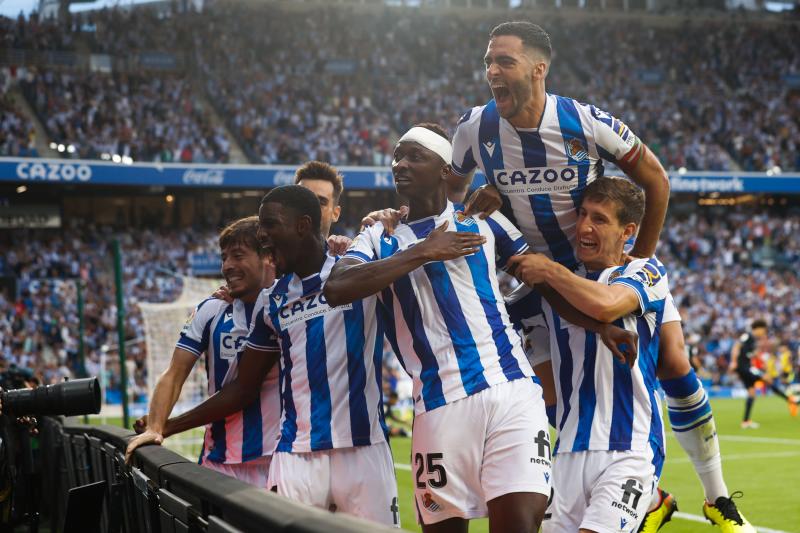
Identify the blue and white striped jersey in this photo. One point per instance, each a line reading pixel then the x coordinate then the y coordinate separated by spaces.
pixel 219 330
pixel 541 172
pixel 602 403
pixel 330 364
pixel 447 321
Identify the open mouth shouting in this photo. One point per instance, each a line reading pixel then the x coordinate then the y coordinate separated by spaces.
pixel 501 93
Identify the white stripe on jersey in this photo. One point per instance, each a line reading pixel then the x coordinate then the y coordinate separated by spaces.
pixel 448 323
pixel 542 172
pixel 602 404
pixel 330 364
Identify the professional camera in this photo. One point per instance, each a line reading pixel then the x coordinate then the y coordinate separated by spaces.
pixel 76 397
pixel 20 464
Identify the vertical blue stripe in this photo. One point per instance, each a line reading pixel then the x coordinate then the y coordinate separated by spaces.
pixel 570 121
pixel 377 365
pixel 647 360
pixel 479 269
pixel 565 370
pixel 317 365
pixel 489 132
pixel 357 373
pixel 587 396
pixel 534 155
pixel 469 360
pixel 252 422
pixel 217 453
pixel 289 424
pixel 386 323
pixel 432 393
pixel 622 414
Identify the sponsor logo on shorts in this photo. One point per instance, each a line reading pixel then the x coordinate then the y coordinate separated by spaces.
pixel 429 504
pixel 631 492
pixel 542 442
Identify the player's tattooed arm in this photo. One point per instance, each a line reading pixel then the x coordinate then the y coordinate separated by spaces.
pixel 646 171
pixel 622 343
pixel 234 396
pixel 352 279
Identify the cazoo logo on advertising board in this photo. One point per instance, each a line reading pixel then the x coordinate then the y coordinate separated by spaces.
pixel 65 172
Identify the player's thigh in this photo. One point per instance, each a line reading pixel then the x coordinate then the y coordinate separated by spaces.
pixel 622 492
pixel 446 455
pixel 303 477
pixel 363 483
pixel 569 497
pixel 516 512
pixel 517 453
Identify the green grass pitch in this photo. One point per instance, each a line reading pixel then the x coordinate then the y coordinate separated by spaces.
pixel 763 463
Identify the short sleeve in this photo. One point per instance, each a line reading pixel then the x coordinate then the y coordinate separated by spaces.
pixel 362 247
pixel 615 141
pixel 261 336
pixel 671 313
pixel 508 239
pixel 463 156
pixel 648 278
pixel 196 332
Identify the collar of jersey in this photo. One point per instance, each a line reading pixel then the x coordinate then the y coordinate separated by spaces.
pixel 448 210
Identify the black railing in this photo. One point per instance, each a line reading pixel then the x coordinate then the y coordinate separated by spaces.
pixel 161 492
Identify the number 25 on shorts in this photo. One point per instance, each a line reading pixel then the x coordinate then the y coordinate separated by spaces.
pixel 437 477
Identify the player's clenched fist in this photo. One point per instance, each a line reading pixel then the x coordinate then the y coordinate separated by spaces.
pixel 441 245
pixel 530 269
pixel 148 437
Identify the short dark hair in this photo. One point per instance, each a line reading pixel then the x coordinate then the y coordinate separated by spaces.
pixel 627 196
pixel 318 170
pixel 758 323
pixel 435 128
pixel 241 232
pixel 532 35
pixel 299 199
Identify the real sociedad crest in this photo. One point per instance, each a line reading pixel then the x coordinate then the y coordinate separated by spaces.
pixel 463 219
pixel 576 149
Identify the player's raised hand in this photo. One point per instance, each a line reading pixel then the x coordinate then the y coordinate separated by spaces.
pixel 148 437
pixel 338 244
pixel 529 268
pixel 223 294
pixel 442 245
pixel 390 218
pixel 622 343
pixel 484 201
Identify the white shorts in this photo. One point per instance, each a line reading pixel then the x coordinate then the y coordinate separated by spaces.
pixel 476 449
pixel 254 472
pixel 603 491
pixel 359 481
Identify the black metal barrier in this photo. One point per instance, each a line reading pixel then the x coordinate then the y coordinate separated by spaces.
pixel 162 492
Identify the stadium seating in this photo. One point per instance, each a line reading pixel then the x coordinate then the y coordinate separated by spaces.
pixel 293 87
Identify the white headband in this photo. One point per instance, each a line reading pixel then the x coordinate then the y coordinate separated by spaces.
pixel 430 140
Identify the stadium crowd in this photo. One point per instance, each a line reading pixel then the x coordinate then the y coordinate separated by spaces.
pixel 39 329
pixel 293 87
pixel 723 275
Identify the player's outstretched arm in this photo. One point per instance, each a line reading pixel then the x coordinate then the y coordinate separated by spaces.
pixel 234 396
pixel 165 395
pixel 352 279
pixel 622 343
pixel 648 173
pixel 605 303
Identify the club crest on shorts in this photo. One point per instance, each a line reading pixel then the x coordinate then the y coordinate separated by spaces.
pixel 576 149
pixel 429 504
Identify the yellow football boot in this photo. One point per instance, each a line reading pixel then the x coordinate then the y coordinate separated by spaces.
pixel 723 513
pixel 655 519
